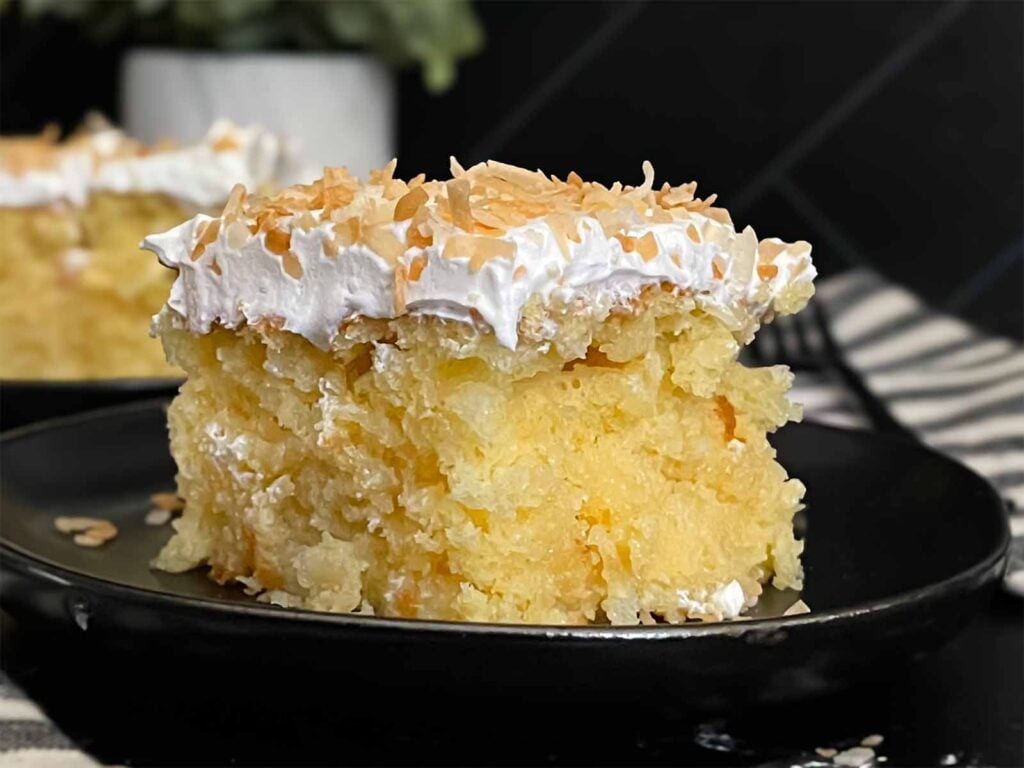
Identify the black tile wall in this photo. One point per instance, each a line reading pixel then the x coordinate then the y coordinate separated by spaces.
pixel 926 176
pixel 887 133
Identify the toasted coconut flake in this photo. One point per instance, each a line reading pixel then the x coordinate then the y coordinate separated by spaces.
pixel 236 203
pixel 207 234
pixel 506 213
pixel 519 178
pixel 647 247
pixel 716 268
pixel 628 243
pixel 376 212
pixel 348 231
pixel 455 168
pixel 417 180
pixel 394 189
pixel 169 501
pixel 519 273
pixel 410 203
pixel 305 221
pixel 658 215
pixel 226 143
pixel 767 250
pixel 744 254
pixel 77 524
pixel 382 241
pixel 648 184
pixel 720 215
pixel 479 250
pixel 873 740
pixel 105 531
pixel 215 267
pixel 458 201
pixel 490 220
pixel 693 233
pixel 612 223
pixel 800 248
pixel 678 196
pixel 340 177
pixel 330 246
pixel 337 197
pixel 279 241
pixel 383 175
pixel 797 608
pixel 414 238
pixel 292 265
pixel 564 227
pixel 157 517
pixel 416 268
pixel 767 271
pixel 89 531
pixel 237 235
pixel 401 278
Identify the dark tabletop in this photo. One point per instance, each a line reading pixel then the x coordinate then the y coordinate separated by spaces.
pixel 965 701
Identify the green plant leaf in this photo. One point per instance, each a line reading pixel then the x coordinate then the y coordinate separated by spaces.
pixel 62 8
pixel 438 74
pixel 150 7
pixel 435 34
pixel 351 22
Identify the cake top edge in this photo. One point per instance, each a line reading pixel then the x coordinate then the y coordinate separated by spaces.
pixel 43 169
pixel 485 199
pixel 476 247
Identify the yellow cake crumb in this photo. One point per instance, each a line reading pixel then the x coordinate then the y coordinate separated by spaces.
pixel 76 296
pixel 616 471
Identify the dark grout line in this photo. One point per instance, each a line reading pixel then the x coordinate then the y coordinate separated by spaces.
pixel 984 277
pixel 495 141
pixel 838 241
pixel 847 105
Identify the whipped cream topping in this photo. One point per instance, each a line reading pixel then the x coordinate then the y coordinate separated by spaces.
pixel 726 602
pixel 68 180
pixel 201 174
pixel 238 278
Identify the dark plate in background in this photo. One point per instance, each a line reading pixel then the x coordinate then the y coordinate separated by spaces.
pixel 25 401
pixel 902 546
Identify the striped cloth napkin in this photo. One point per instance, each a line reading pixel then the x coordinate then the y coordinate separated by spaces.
pixel 956 389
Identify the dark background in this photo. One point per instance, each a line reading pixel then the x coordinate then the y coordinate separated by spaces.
pixel 886 133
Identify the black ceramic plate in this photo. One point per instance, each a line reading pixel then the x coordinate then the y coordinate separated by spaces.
pixel 25 401
pixel 903 547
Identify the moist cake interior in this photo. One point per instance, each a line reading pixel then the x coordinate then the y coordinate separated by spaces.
pixel 76 296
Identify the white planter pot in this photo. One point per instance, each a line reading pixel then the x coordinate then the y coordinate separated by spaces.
pixel 338 108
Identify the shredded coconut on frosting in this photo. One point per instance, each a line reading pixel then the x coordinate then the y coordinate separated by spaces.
pixel 474 248
pixel 40 170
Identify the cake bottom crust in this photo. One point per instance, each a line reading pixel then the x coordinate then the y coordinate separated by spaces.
pixel 617 471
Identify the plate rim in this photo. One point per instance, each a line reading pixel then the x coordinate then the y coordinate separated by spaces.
pixel 34 566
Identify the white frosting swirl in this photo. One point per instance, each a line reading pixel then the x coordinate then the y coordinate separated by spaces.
pixel 232 284
pixel 201 174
